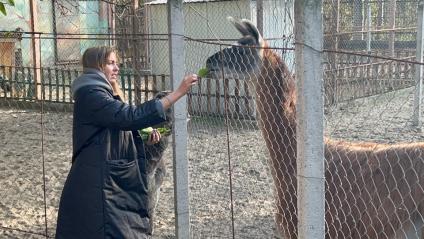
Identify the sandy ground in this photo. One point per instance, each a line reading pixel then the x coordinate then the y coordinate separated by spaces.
pixel 36 153
pixel 35 158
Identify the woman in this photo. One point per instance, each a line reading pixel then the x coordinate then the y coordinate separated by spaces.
pixel 105 194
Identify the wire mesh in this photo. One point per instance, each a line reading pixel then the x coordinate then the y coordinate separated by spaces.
pixel 373 160
pixel 242 143
pixel 228 171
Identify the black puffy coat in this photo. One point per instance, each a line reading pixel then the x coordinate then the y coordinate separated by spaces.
pixel 105 193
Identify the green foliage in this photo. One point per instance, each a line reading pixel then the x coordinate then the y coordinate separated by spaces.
pixel 3 8
pixel 203 72
pixel 145 133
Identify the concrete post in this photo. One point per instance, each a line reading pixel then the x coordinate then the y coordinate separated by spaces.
pixel 416 118
pixel 35 47
pixel 310 116
pixel 177 70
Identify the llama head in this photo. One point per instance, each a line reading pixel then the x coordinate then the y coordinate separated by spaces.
pixel 243 59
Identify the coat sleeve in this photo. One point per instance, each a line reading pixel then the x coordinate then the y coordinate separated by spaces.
pixel 106 111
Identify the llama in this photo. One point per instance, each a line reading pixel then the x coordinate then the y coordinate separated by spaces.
pixel 372 190
pixel 155 166
pixel 4 84
pixel 17 85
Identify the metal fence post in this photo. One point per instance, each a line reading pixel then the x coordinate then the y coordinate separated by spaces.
pixel 392 25
pixel 35 47
pixel 136 54
pixel 177 69
pixel 260 16
pixel 368 27
pixel 310 117
pixel 416 118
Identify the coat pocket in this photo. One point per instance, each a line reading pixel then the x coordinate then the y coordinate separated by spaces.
pixel 126 199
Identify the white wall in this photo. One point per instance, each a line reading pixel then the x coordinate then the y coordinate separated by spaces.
pixel 204 20
pixel 278 22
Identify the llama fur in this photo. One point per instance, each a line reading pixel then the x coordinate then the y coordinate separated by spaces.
pixel 371 190
pixel 156 168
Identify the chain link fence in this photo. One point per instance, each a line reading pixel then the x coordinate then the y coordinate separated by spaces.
pixel 242 128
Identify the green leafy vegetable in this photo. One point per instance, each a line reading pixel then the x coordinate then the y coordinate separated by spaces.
pixel 203 72
pixel 2 8
pixel 145 133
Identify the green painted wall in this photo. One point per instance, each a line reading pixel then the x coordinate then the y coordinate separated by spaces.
pixel 19 16
pixel 71 17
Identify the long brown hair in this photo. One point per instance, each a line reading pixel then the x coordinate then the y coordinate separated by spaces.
pixel 96 57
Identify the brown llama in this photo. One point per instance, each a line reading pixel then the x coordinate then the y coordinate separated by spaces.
pixel 372 190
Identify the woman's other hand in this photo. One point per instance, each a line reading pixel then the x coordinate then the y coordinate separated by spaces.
pixel 154 137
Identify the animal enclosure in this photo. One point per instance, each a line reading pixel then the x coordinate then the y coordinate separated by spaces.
pixel 242 131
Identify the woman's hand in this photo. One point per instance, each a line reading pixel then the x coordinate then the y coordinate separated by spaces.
pixel 117 89
pixel 154 137
pixel 187 83
pixel 185 86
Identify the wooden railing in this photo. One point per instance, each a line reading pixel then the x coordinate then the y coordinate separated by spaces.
pixel 354 77
pixel 209 97
pixel 357 77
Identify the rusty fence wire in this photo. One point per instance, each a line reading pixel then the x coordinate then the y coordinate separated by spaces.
pixel 242 123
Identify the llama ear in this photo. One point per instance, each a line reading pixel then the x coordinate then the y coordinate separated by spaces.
pixel 252 29
pixel 246 28
pixel 240 26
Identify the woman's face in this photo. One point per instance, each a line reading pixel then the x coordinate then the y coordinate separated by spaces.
pixel 111 68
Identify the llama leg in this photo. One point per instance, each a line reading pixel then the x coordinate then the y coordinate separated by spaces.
pixel 156 180
pixel 151 202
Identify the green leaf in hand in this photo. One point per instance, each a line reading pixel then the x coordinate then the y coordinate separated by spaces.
pixel 2 8
pixel 164 131
pixel 147 130
pixel 145 133
pixel 203 72
pixel 11 2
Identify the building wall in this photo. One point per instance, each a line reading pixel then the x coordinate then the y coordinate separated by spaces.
pixel 19 17
pixel 207 21
pixel 82 19
pixel 278 24
pixel 73 17
pixel 203 20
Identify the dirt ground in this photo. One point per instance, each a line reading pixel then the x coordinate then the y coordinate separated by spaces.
pixel 35 158
pixel 36 153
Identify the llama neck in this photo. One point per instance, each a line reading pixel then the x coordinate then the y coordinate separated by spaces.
pixel 275 100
